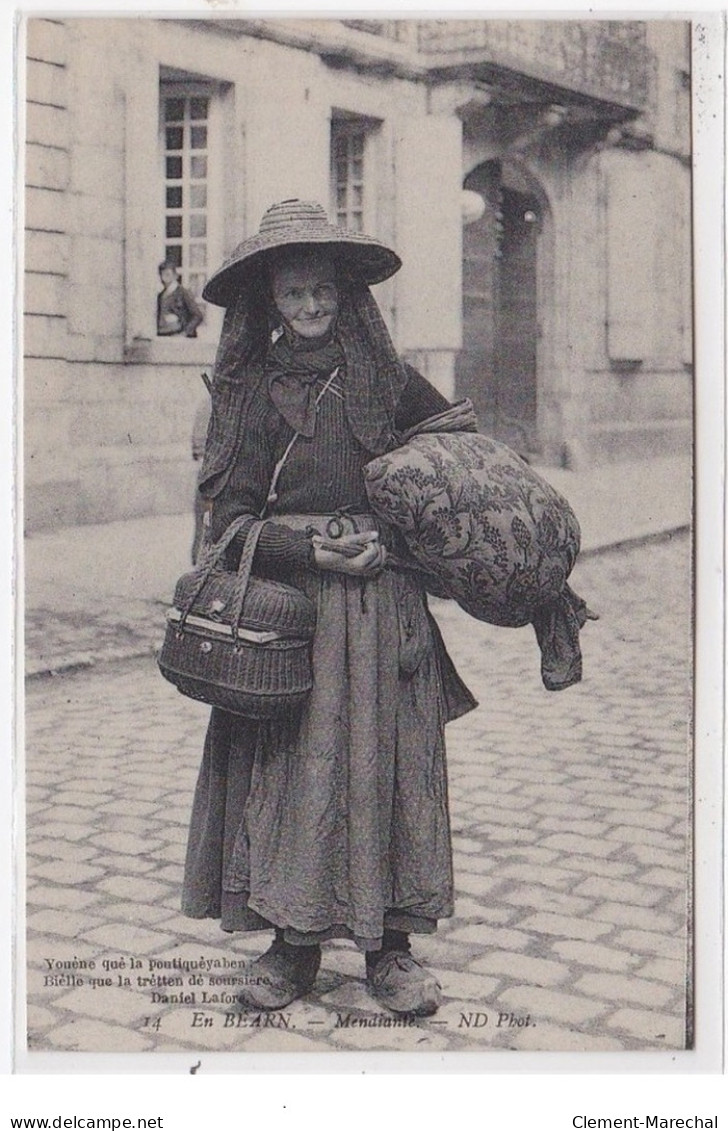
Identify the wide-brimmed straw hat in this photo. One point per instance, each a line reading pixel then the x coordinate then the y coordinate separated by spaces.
pixel 299 223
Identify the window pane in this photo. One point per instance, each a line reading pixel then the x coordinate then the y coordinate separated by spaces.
pixel 173 138
pixel 174 109
pixel 186 138
pixel 348 150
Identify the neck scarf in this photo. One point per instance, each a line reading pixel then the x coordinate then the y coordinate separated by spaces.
pixel 292 369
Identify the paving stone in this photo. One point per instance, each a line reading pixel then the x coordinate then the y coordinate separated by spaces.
pixel 559 878
pixel 172 872
pixel 61 898
pixel 567 842
pixel 467 908
pixel 135 888
pixel 491 936
pixel 551 1005
pixel 655 1029
pixel 38 1018
pixel 70 851
pixel 134 865
pixel 600 956
pixel 534 854
pixel 467 844
pixel 669 970
pixel 481 865
pixel 127 1007
pixel 475 884
pixel 510 835
pixel 67 872
pixel 96 1036
pixel 575 811
pixel 420 1037
pixel 70 814
pixel 636 834
pixel 675 859
pixel 619 987
pixel 126 808
pixel 130 938
pixel 122 911
pixel 533 895
pixel 545 1037
pixel 474 989
pixel 126 843
pixel 65 830
pixel 649 942
pixel 564 927
pixel 630 915
pixel 663 877
pixel 67 924
pixel 621 891
pixel 79 797
pixel 522 968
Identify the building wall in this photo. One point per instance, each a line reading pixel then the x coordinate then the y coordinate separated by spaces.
pixel 109 406
pixel 615 365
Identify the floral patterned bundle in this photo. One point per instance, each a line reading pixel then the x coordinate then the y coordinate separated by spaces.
pixel 488 532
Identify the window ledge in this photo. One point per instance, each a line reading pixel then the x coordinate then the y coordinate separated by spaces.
pixel 171 351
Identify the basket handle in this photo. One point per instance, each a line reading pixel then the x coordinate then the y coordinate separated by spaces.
pixel 244 570
pixel 212 558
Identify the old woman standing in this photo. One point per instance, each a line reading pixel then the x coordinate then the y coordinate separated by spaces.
pixel 332 823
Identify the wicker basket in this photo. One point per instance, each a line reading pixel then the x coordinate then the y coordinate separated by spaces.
pixel 238 642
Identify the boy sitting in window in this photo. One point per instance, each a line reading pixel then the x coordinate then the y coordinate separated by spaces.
pixel 177 311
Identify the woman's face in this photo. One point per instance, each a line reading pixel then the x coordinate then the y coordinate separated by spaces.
pixel 305 293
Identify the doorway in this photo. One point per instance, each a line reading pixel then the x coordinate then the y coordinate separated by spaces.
pixel 498 365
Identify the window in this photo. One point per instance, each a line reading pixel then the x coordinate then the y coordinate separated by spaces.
pixel 353 169
pixel 185 118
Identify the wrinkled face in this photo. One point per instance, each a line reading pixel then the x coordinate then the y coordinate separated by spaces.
pixel 305 293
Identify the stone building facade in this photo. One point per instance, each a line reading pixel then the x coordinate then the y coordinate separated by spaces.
pixel 533 175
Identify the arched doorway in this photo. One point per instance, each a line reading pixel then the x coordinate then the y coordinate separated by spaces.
pixel 498 365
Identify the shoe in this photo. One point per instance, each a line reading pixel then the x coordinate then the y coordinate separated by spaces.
pixel 280 976
pixel 399 982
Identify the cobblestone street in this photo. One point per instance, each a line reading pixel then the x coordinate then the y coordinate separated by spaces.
pixel 570 815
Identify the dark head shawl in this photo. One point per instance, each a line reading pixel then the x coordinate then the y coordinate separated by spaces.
pixel 375 377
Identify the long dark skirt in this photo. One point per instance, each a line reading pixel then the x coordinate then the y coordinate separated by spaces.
pixel 335 823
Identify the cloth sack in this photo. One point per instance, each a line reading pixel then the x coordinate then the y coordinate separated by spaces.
pixel 486 531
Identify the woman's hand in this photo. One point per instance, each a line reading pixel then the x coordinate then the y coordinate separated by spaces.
pixel 358 555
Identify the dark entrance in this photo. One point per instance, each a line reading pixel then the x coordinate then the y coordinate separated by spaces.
pixel 497 367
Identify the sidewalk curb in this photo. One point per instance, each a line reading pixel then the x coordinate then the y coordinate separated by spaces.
pixel 86 660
